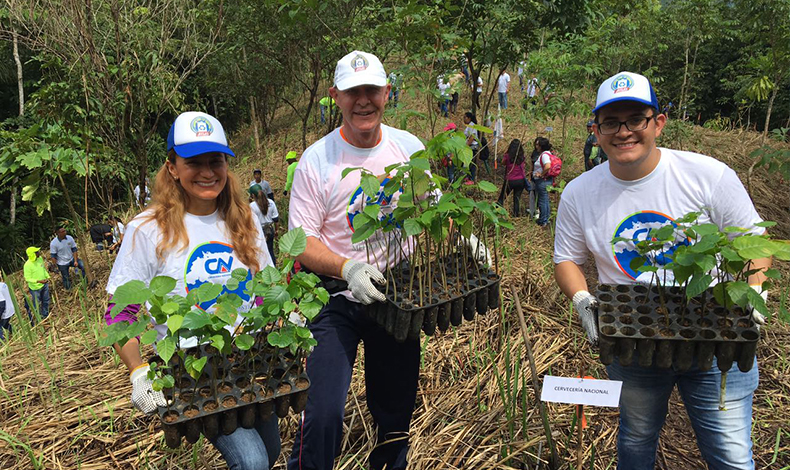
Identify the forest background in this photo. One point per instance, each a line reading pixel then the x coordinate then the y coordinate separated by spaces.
pixel 88 89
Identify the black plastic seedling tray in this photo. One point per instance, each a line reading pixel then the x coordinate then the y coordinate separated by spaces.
pixel 403 320
pixel 274 391
pixel 630 318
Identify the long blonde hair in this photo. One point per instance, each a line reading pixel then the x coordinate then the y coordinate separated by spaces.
pixel 169 206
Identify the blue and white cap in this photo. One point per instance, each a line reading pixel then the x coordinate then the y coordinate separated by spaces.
pixel 195 133
pixel 626 86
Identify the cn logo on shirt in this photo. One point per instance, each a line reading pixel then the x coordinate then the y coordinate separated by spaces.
pixel 213 262
pixel 355 203
pixel 636 228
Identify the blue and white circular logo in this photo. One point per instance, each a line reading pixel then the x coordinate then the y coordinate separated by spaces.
pixel 201 126
pixel 622 83
pixel 214 262
pixel 636 227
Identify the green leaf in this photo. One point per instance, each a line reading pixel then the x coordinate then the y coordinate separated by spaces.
pixel 310 309
pixel 196 320
pixel 208 291
pixel 363 233
pixel 412 227
pixel 133 292
pixel 149 337
pixel 322 295
pixel 174 323
pixel 346 171
pixel 735 230
pixel 765 224
pixel 278 295
pixel 165 348
pixel 421 164
pixel 772 273
pixel 637 263
pixel 756 301
pixel 270 275
pixel 487 186
pixel 706 229
pixel 170 308
pixel 737 292
pixel 781 249
pixel 370 185
pixel 293 242
pixel 697 285
pixel 162 285
pixel 218 341
pixel 244 342
pixel 168 381
pixel 753 247
pixel 232 284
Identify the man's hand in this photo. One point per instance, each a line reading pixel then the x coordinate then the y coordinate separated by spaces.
pixel 144 397
pixel 758 317
pixel 359 276
pixel 43 281
pixel 479 250
pixel 586 306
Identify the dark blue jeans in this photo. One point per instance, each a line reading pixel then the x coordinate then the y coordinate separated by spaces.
pixel 64 271
pixel 40 300
pixel 502 100
pixel 543 200
pixel 5 323
pixel 391 373
pixel 723 437
pixel 251 449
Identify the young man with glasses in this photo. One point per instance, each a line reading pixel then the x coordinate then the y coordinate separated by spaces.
pixel 639 188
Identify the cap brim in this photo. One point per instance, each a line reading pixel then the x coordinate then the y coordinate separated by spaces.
pixel 354 81
pixel 198 148
pixel 624 98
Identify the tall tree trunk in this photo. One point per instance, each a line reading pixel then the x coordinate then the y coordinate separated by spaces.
pixel 768 113
pixel 685 78
pixel 254 123
pixel 21 90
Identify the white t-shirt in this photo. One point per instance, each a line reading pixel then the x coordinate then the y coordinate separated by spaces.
pixel 324 203
pixel 502 83
pixel 63 250
pixel 596 207
pixel 479 84
pixel 443 87
pixel 265 186
pixel 471 131
pixel 265 219
pixel 539 163
pixel 118 229
pixel 209 257
pixel 5 296
pixel 532 87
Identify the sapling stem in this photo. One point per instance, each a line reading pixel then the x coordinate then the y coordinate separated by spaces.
pixel 723 392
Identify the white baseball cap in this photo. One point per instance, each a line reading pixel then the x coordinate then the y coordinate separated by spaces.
pixel 626 86
pixel 195 133
pixel 359 68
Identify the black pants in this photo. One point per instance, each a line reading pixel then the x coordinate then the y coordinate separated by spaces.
pixel 391 373
pixel 517 187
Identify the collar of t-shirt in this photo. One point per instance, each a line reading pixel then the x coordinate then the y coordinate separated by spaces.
pixel 343 136
pixel 657 172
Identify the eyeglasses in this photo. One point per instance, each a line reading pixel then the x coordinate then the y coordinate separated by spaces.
pixel 634 124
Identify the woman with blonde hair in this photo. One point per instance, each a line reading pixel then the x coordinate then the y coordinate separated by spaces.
pixel 198 229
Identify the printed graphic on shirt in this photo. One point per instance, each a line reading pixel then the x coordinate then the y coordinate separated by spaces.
pixel 636 227
pixel 359 200
pixel 213 262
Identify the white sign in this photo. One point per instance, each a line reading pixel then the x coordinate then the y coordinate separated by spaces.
pixel 581 391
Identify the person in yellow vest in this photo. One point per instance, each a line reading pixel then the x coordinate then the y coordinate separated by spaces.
pixel 37 279
pixel 326 103
pixel 290 158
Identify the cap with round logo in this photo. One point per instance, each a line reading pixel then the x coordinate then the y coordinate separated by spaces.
pixel 626 86
pixel 195 133
pixel 359 68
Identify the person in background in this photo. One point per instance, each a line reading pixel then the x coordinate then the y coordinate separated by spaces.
pixel 540 166
pixel 118 230
pixel 515 177
pixel 145 191
pixel 266 214
pixel 101 235
pixel 326 104
pixel 520 71
pixel 444 96
pixel 502 87
pixel 447 160
pixel 7 311
pixel 290 159
pixel 471 140
pixel 63 250
pixel 394 81
pixel 645 187
pixel 198 214
pixel 593 153
pixel 258 179
pixel 37 279
pixel 455 90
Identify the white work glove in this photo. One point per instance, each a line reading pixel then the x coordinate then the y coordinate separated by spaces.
pixel 758 317
pixel 144 397
pixel 479 250
pixel 358 275
pixel 585 305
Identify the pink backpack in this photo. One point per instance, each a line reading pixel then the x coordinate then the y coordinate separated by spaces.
pixel 555 169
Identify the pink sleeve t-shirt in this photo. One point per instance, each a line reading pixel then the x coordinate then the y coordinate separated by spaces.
pixel 324 203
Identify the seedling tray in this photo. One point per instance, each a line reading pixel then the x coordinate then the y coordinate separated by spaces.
pixel 630 318
pixel 403 320
pixel 196 410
